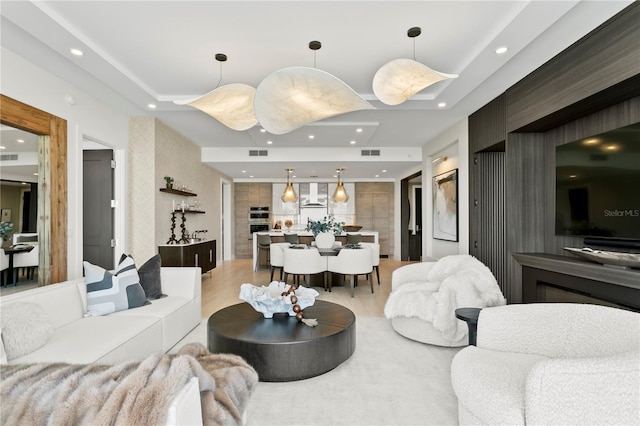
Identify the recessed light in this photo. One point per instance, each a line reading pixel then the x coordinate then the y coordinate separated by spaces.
pixel 294 176
pixel 76 52
pixel 35 174
pixel 442 104
pixel 269 142
pixel 384 171
pixel 250 176
pixel 263 131
pixel 502 49
pixel 612 148
pixel 244 171
pixel 359 130
pixel 24 183
pixel 591 142
pixel 152 106
pixel 573 176
pixel 3 147
pixel 311 137
pixel 377 175
pixel 352 142
pixel 20 140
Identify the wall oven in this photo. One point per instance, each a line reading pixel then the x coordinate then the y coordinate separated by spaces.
pixel 259 219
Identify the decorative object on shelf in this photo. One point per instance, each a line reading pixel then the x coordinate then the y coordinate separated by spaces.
pixel 400 79
pixel 292 97
pixel 340 194
pixel 279 297
pixel 289 195
pixel 445 206
pixel 327 224
pixel 288 223
pixel 607 258
pixel 173 239
pixel 231 104
pixel 6 228
pixel 169 181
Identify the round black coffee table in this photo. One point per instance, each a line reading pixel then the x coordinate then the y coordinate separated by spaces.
pixel 281 349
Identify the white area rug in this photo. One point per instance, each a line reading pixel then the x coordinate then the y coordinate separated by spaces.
pixel 389 380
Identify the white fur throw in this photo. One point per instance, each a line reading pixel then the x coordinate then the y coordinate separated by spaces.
pixel 454 282
pixel 25 328
pixel 132 393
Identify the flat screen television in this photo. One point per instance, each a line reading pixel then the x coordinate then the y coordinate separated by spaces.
pixel 598 185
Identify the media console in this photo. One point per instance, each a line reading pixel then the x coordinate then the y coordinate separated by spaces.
pixel 555 278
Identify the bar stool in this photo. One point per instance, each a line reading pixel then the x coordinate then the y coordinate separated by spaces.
pixel 292 238
pixel 264 243
pixel 353 238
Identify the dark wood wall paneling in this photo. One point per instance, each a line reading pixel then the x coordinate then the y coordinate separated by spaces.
pixel 600 60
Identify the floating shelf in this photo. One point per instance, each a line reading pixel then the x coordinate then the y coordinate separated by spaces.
pixel 179 192
pixel 189 211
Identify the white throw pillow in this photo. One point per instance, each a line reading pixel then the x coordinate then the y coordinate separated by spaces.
pixel 25 328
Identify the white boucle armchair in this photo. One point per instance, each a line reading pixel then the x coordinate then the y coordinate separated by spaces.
pixel 550 363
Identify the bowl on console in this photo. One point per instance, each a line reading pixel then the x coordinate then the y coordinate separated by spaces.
pixel 351 228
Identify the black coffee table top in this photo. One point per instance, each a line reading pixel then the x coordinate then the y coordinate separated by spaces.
pixel 282 348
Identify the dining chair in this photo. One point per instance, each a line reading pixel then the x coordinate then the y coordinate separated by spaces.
pixel 352 262
pixel 27 260
pixel 4 265
pixel 304 262
pixel 264 243
pixel 277 258
pixel 375 257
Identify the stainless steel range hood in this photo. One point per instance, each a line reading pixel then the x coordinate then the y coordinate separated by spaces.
pixel 314 195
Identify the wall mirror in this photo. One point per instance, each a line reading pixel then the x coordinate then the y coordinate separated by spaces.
pixel 51 134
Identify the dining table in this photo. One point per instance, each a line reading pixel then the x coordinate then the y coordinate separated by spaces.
pixel 12 278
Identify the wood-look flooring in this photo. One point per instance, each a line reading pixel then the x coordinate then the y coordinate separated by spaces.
pixel 221 287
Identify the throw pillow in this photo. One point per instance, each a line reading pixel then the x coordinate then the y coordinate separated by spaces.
pixel 150 278
pixel 25 328
pixel 108 293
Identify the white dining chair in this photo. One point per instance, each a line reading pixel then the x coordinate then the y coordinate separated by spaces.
pixel 304 262
pixel 352 262
pixel 375 257
pixel 277 257
pixel 4 265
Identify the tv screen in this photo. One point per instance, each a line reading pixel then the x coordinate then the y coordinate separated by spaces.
pixel 598 185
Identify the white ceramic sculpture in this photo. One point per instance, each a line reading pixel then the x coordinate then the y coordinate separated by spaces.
pixel 268 300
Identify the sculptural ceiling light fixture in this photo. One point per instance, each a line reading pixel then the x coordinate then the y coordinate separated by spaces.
pixel 340 194
pixel 400 79
pixel 293 97
pixel 289 195
pixel 231 104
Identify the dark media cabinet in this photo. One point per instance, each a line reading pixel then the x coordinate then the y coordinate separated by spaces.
pixel 202 254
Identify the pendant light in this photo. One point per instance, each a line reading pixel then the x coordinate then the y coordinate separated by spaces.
pixel 340 194
pixel 289 195
pixel 398 80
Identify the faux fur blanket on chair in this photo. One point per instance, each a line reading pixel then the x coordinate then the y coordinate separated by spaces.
pixel 133 393
pixel 454 282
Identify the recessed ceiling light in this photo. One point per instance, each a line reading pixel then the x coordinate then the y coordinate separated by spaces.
pixel 35 174
pixel 442 104
pixel 24 183
pixel 591 142
pixel 294 176
pixel 3 147
pixel 244 171
pixel 502 49
pixel 612 148
pixel 384 171
pixel 311 137
pixel 359 130
pixel 76 52
pixel 269 142
pixel 20 140
pixel 352 142
pixel 263 131
pixel 377 175
pixel 250 176
pixel 573 176
pixel 152 106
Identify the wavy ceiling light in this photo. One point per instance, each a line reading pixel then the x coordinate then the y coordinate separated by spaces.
pixel 231 104
pixel 293 97
pixel 400 79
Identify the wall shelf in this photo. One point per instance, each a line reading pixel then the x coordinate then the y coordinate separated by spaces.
pixel 188 211
pixel 179 192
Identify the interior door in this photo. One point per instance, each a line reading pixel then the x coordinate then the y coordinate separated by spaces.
pixel 97 210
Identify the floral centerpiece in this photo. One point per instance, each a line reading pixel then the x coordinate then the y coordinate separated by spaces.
pixel 5 230
pixel 327 224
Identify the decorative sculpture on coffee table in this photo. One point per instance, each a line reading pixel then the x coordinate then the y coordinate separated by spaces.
pixel 279 297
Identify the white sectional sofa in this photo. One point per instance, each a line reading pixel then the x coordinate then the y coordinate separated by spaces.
pixel 121 336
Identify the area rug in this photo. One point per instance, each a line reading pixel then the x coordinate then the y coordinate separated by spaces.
pixel 389 380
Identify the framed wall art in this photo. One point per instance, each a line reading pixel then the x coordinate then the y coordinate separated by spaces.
pixel 445 206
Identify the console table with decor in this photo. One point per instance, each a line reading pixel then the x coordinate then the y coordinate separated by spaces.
pixel 201 254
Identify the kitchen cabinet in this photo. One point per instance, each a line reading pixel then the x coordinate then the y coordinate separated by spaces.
pixel 202 254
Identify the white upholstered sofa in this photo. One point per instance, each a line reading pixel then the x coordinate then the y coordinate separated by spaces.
pixel 550 363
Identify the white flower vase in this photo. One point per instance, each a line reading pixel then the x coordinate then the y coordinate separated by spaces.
pixel 325 240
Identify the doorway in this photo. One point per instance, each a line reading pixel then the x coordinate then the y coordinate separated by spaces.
pixel 411 217
pixel 225 219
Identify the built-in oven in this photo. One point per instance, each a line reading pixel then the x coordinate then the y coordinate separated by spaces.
pixel 257 227
pixel 259 219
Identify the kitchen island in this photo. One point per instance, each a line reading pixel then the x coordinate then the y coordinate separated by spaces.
pixel 306 237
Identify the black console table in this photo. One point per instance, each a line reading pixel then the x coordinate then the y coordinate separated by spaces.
pixel 610 285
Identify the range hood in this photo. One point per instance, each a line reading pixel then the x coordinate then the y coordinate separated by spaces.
pixel 314 195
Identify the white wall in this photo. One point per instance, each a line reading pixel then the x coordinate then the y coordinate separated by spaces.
pixel 23 81
pixel 454 144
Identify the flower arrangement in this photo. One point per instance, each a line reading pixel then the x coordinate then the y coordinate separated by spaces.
pixel 5 230
pixel 327 224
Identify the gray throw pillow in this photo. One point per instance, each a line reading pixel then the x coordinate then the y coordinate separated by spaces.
pixel 108 293
pixel 150 278
pixel 25 328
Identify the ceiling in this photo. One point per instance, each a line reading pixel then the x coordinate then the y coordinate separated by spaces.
pixel 138 53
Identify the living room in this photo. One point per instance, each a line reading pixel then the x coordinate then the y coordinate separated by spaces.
pixel 151 149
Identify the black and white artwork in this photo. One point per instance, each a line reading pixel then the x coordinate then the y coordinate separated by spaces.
pixel 445 206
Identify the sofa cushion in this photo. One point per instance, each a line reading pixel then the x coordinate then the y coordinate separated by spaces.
pixel 108 293
pixel 150 278
pixel 25 327
pixel 492 384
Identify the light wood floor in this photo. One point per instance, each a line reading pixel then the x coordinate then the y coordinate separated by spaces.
pixel 221 287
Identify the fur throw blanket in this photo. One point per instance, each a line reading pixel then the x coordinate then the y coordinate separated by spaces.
pixel 453 282
pixel 132 393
